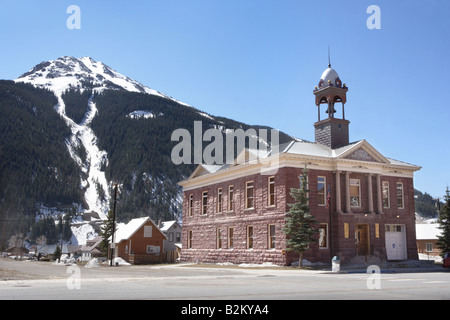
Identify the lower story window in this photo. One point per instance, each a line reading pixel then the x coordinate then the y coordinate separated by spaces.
pixel 249 237
pixel 271 236
pixel 323 235
pixel 189 239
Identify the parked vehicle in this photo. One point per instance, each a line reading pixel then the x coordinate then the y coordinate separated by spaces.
pixel 446 260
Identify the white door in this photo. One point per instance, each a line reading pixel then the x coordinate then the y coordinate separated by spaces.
pixel 396 242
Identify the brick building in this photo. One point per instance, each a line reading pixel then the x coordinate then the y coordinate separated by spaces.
pixel 363 200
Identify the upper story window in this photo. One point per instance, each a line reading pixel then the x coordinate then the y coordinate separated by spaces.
pixel 191 205
pixel 400 196
pixel 249 198
pixel 355 193
pixel 321 181
pixel 271 191
pixel 204 202
pixel 385 194
pixel 230 198
pixel 219 200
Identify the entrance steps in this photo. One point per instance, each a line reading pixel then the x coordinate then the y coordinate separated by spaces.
pixel 365 261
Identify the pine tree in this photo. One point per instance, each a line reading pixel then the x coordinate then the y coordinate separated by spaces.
pixel 106 233
pixel 444 225
pixel 57 253
pixel 300 230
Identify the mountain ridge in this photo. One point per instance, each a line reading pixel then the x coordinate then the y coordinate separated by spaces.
pixel 118 131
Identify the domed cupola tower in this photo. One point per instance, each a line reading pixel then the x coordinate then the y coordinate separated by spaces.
pixel 332 131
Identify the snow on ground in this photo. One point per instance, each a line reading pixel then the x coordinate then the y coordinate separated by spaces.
pixel 249 265
pixel 143 114
pixel 95 158
pixel 82 233
pixel 93 263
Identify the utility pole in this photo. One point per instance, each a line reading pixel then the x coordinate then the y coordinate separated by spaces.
pixel 113 245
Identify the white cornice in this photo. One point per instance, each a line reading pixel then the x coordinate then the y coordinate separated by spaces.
pixel 299 161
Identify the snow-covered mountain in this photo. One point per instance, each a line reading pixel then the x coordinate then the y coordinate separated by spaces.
pixel 85 74
pixel 69 72
pixel 115 129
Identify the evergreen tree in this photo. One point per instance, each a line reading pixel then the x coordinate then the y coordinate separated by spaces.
pixel 300 230
pixel 57 253
pixel 444 225
pixel 67 231
pixel 106 233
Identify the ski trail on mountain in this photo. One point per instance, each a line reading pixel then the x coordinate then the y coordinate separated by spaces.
pixel 95 158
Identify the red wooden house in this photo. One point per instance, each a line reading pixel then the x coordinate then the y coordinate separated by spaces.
pixel 139 241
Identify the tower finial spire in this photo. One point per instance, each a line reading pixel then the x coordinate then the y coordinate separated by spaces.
pixel 329 60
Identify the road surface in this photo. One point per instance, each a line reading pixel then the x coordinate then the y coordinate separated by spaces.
pixel 44 280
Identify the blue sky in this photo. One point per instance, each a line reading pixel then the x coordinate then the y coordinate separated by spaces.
pixel 257 61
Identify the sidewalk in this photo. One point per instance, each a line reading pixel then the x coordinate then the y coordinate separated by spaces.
pixel 391 266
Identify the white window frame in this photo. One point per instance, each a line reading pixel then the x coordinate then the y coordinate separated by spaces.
pixel 321 195
pixel 219 200
pixel 398 184
pixel 204 205
pixel 148 230
pixel 250 237
pixel 385 188
pixel 323 226
pixel 189 239
pixel 230 240
pixel 191 205
pixel 271 193
pixel 247 198
pixel 271 237
pixel 219 240
pixel 230 198
pixel 359 192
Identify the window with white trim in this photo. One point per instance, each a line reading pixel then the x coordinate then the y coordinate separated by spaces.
pixel 400 196
pixel 219 200
pixel 385 194
pixel 249 199
pixel 271 191
pixel 230 198
pixel 271 236
pixel 230 237
pixel 323 235
pixel 204 202
pixel 321 182
pixel 355 193
pixel 219 238
pixel 249 237
pixel 191 205
pixel 189 239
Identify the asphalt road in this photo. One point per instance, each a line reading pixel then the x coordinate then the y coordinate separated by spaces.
pixel 45 281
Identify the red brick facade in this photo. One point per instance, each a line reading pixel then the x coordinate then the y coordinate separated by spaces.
pixel 203 229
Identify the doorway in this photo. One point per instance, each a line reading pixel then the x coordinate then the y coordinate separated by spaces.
pixel 396 242
pixel 362 240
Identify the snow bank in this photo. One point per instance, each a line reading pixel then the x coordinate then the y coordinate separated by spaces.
pixel 249 265
pixel 253 265
pixel 65 260
pixel 118 262
pixel 93 263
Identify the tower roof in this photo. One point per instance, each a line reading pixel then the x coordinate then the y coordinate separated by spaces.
pixel 329 75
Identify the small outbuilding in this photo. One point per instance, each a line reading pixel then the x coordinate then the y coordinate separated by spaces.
pixel 139 242
pixel 427 237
